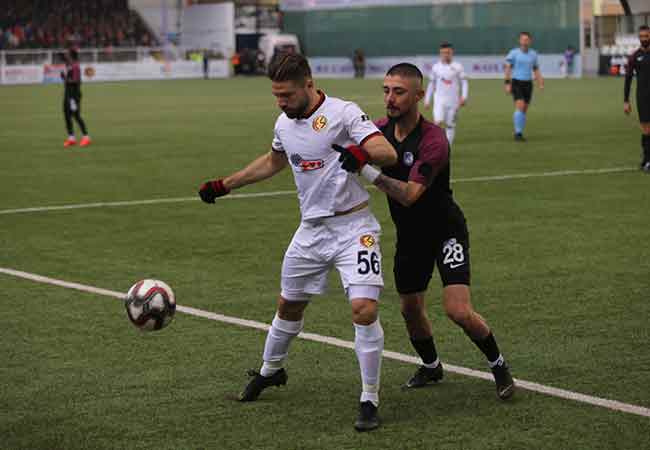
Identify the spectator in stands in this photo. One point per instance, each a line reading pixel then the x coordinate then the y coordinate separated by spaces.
pixel 59 23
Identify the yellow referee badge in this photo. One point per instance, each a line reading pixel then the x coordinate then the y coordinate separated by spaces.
pixel 319 123
pixel 367 240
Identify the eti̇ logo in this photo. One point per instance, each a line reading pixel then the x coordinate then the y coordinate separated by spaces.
pixel 319 123
pixel 367 240
pixel 306 165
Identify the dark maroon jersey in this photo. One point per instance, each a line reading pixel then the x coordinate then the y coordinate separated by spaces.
pixel 638 64
pixel 72 80
pixel 423 157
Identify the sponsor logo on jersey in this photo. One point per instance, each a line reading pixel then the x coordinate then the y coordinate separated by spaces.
pixel 451 241
pixel 447 82
pixel 306 165
pixel 367 240
pixel 408 159
pixel 319 123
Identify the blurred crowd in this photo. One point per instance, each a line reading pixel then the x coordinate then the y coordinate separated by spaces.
pixel 62 23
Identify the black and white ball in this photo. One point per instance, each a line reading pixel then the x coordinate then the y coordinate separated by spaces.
pixel 150 305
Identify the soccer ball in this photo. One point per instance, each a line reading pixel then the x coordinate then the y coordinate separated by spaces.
pixel 150 305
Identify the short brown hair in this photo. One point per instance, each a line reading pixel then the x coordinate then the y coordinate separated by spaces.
pixel 290 67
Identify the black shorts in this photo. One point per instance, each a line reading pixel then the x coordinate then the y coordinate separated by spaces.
pixel 522 90
pixel 71 105
pixel 448 248
pixel 643 107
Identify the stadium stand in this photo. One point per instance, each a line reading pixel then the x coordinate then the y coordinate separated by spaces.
pixel 62 23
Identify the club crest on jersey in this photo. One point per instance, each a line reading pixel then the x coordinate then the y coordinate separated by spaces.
pixel 367 240
pixel 319 123
pixel 304 164
pixel 408 159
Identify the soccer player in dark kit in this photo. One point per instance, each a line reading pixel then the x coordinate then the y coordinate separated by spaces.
pixel 72 99
pixel 431 228
pixel 639 65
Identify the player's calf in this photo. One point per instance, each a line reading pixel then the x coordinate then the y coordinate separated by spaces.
pixel 419 329
pixel 459 309
pixel 368 345
pixel 286 325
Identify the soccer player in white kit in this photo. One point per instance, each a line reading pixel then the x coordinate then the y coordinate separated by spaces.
pixel 449 83
pixel 337 229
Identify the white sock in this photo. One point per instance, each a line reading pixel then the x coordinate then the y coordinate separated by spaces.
pixel 277 343
pixel 499 361
pixel 451 133
pixel 72 137
pixel 432 365
pixel 369 345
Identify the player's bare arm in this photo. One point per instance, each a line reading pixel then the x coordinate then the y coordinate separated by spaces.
pixel 405 193
pixel 260 169
pixel 539 78
pixel 380 151
pixel 508 78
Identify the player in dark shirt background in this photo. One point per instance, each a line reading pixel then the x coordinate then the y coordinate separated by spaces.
pixel 639 64
pixel 431 228
pixel 72 99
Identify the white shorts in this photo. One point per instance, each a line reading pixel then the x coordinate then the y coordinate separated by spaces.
pixel 445 111
pixel 349 243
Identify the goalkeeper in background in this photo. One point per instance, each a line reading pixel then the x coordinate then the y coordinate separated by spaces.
pixel 72 99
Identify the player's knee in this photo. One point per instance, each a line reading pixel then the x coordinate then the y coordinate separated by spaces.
pixel 457 304
pixel 459 313
pixel 290 309
pixel 411 306
pixel 364 311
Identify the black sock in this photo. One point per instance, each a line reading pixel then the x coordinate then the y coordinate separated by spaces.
pixel 68 123
pixel 489 347
pixel 426 349
pixel 645 143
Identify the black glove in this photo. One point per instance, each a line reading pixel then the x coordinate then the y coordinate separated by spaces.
pixel 212 189
pixel 352 158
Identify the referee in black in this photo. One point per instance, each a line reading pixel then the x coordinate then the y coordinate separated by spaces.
pixel 431 228
pixel 639 64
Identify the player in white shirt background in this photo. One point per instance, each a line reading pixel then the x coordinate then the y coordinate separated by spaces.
pixel 449 87
pixel 337 229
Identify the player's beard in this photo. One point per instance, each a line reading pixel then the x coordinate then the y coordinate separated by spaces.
pixel 394 113
pixel 299 111
pixel 645 44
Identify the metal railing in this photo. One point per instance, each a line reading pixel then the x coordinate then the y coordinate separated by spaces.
pixel 98 55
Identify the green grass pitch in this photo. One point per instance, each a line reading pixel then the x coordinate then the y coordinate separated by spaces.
pixel 560 270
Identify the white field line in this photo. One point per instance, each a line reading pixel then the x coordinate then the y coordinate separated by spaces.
pixel 528 385
pixel 517 176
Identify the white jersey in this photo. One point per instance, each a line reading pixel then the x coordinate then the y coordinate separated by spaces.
pixel 449 83
pixel 324 188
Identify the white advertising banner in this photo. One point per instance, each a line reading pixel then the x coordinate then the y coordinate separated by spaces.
pixel 309 5
pixel 21 74
pixel 551 66
pixel 47 73
pixel 153 70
